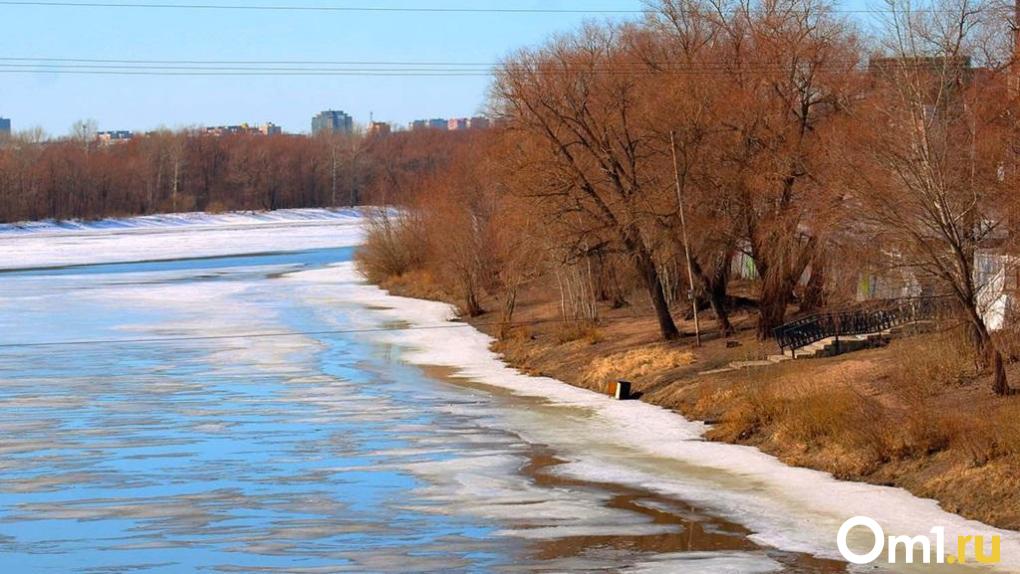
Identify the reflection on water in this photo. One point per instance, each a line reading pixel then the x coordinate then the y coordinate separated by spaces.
pixel 307 453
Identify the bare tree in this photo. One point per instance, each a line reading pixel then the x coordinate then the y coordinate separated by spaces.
pixel 932 183
pixel 586 141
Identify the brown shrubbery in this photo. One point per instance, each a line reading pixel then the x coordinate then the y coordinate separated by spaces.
pixel 394 246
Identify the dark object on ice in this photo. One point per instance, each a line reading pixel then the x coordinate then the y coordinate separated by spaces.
pixel 620 390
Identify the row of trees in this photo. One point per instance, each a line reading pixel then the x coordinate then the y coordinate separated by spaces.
pixel 768 130
pixel 80 178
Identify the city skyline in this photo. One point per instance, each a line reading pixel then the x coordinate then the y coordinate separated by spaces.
pixel 371 127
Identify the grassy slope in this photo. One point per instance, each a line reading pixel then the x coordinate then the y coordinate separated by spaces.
pixel 913 414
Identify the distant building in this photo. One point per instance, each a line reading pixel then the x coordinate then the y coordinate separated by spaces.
pixel 114 137
pixel 266 129
pixel 479 123
pixel 379 129
pixel 457 124
pixel 453 125
pixel 227 130
pixel 332 121
pixel 433 124
pixel 270 129
pixel 5 126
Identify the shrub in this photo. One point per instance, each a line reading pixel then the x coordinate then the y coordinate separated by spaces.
pixel 394 245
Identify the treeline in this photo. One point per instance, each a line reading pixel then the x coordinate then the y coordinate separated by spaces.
pixel 769 135
pixel 81 178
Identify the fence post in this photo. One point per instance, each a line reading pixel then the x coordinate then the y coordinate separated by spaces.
pixel 839 324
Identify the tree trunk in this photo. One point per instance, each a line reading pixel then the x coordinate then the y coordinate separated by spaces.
pixel 990 354
pixel 775 296
pixel 987 352
pixel 1000 385
pixel 717 300
pixel 471 305
pixel 646 268
pixel 716 290
pixel 814 293
pixel 717 294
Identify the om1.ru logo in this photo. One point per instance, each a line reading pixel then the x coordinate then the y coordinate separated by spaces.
pixel 931 551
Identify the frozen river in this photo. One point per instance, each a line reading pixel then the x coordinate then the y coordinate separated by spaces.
pixel 270 413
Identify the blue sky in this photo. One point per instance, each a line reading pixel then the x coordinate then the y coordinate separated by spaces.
pixel 54 101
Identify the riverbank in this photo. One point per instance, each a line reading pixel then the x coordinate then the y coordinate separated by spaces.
pixel 914 414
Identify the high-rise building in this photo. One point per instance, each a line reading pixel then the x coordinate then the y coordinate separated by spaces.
pixel 439 124
pixel 270 129
pixel 5 127
pixel 332 121
pixel 457 124
pixel 379 129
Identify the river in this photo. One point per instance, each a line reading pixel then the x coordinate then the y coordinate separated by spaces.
pixel 270 413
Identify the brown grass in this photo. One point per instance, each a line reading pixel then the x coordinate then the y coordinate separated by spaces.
pixel 417 283
pixel 584 331
pixel 637 363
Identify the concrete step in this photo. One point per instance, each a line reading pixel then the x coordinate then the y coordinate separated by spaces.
pixel 847 344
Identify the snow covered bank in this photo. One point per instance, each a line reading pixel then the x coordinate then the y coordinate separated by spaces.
pixel 177 220
pixel 185 235
pixel 632 442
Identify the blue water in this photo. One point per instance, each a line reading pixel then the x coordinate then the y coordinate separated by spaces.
pixel 174 453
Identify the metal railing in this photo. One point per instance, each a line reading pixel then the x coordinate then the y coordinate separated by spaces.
pixel 861 321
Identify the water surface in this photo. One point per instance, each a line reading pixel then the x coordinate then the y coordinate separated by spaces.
pixel 160 441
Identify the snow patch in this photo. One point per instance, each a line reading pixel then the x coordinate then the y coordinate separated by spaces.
pixel 168 237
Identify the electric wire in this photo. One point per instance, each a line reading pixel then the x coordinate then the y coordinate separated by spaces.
pixel 314 8
pixel 403 9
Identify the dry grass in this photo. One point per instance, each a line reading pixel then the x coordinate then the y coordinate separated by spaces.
pixel 417 283
pixel 571 331
pixel 829 421
pixel 637 363
pixel 928 369
pixel 980 440
pixel 855 428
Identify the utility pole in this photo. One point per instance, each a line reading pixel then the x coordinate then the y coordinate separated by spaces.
pixel 687 245
pixel 332 143
pixel 351 176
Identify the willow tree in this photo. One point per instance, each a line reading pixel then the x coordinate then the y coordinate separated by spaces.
pixel 576 104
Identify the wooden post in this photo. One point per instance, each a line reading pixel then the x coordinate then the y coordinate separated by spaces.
pixel 687 245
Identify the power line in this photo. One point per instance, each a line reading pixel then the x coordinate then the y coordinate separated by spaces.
pixel 389 72
pixel 85 66
pixel 388 9
pixel 252 62
pixel 309 8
